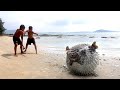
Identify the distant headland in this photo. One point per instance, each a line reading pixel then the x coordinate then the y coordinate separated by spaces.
pixel 102 30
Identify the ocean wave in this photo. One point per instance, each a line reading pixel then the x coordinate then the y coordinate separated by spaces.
pixel 55 35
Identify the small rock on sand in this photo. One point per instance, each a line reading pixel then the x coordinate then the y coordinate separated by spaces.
pixel 104 59
pixel 103 54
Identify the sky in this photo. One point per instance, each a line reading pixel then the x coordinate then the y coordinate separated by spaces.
pixel 62 21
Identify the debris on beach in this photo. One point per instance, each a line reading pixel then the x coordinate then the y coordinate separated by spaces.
pixel 104 59
pixel 82 59
pixel 65 68
pixel 104 37
pixel 112 37
pixel 108 37
pixel 103 54
pixel 92 37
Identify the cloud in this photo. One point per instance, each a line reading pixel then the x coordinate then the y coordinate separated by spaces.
pixel 60 23
pixel 62 20
pixel 78 22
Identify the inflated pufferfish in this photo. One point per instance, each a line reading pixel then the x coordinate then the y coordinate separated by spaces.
pixel 82 59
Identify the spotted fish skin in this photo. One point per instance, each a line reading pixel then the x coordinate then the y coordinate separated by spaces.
pixel 81 59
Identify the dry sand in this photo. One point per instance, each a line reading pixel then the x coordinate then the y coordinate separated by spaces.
pixel 46 65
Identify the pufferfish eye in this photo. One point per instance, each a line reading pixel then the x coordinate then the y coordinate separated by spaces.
pixel 83 52
pixel 75 50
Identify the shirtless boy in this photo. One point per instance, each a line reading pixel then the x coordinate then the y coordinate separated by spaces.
pixel 16 38
pixel 31 38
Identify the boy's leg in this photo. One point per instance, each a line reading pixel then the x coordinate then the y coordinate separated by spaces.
pixel 15 48
pixel 26 47
pixel 35 47
pixel 27 44
pixel 15 45
pixel 21 48
pixel 34 43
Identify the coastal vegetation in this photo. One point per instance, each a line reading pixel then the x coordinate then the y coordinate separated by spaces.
pixel 2 29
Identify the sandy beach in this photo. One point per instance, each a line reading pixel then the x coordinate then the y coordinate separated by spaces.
pixel 46 65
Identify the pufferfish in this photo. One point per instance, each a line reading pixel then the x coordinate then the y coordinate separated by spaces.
pixel 82 59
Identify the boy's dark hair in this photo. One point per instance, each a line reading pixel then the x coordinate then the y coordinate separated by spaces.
pixel 30 27
pixel 22 26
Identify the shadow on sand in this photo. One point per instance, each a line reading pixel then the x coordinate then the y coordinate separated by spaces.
pixel 30 53
pixel 84 76
pixel 9 55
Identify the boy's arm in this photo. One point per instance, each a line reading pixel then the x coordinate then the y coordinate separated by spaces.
pixel 22 33
pixel 25 32
pixel 35 33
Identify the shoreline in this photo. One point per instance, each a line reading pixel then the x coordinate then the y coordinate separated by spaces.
pixel 47 65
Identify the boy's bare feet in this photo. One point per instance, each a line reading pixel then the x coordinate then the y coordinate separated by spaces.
pixel 24 50
pixel 23 53
pixel 15 55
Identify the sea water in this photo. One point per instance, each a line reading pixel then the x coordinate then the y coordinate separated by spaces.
pixel 108 42
pixel 56 42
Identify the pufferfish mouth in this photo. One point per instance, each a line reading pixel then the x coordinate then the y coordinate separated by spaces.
pixel 72 59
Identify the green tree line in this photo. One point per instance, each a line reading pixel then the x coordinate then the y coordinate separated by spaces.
pixel 2 29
